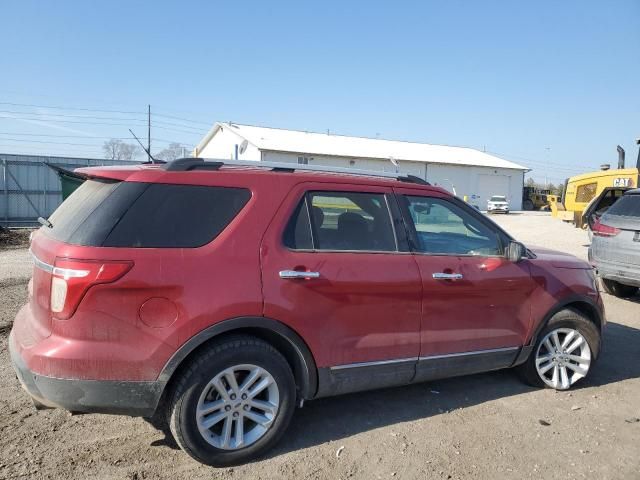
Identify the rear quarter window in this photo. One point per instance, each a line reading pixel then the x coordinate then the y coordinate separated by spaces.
pixel 128 214
pixel 627 206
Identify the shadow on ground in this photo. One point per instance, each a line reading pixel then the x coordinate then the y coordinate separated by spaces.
pixel 330 419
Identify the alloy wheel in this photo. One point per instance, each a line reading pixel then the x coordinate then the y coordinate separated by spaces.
pixel 237 407
pixel 563 357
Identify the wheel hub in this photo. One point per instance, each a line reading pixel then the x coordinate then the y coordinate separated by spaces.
pixel 562 358
pixel 237 407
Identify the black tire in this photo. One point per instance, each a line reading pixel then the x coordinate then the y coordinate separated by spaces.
pixel 192 380
pixel 618 289
pixel 568 318
pixel 527 205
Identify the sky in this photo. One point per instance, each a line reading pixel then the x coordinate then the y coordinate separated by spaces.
pixel 549 85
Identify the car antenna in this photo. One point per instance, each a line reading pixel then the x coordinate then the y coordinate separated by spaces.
pixel 153 160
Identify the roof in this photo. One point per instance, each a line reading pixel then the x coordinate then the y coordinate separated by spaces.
pixel 231 174
pixel 281 140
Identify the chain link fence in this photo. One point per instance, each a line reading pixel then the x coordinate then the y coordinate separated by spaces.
pixel 30 189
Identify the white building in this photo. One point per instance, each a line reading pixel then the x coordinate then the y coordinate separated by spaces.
pixel 464 171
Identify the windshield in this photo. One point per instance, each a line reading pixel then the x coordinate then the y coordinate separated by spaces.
pixel 498 199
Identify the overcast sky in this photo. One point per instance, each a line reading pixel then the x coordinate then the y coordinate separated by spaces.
pixel 551 85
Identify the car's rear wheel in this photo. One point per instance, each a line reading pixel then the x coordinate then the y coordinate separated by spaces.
pixel 564 352
pixel 527 205
pixel 232 402
pixel 618 289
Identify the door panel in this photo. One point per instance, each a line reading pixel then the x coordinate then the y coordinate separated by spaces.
pixel 487 308
pixel 480 300
pixel 363 306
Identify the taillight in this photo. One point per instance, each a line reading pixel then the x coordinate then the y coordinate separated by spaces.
pixel 72 278
pixel 599 229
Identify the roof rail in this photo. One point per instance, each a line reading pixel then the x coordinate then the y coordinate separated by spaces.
pixel 187 164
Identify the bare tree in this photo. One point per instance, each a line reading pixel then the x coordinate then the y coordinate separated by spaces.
pixel 115 149
pixel 173 151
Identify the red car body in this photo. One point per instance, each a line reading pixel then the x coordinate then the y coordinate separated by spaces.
pixel 148 309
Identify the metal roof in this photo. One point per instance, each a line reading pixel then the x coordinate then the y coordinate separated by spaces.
pixel 281 140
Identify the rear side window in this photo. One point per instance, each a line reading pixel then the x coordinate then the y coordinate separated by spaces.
pixel 128 214
pixel 341 221
pixel 627 206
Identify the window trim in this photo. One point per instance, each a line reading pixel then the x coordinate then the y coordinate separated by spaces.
pixel 502 237
pixel 399 235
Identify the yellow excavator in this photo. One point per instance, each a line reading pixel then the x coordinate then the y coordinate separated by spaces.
pixel 581 190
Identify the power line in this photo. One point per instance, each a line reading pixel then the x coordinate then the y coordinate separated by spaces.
pixel 162 122
pixel 72 121
pixel 64 115
pixel 83 144
pixel 83 136
pixel 183 119
pixel 69 108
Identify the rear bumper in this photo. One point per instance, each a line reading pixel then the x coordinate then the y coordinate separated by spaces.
pixel 625 274
pixel 138 399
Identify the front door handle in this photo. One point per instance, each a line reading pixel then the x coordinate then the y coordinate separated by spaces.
pixel 293 274
pixel 447 276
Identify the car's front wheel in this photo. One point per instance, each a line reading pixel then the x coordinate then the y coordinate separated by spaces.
pixel 618 289
pixel 564 352
pixel 232 402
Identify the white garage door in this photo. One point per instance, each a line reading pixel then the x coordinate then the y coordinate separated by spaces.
pixel 489 185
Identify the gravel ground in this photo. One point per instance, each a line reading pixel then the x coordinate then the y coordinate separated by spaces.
pixel 479 426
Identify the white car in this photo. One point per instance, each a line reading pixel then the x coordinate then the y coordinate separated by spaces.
pixel 498 203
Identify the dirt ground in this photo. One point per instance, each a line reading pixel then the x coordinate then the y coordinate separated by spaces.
pixel 480 426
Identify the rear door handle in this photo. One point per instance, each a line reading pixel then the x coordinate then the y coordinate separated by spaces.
pixel 447 276
pixel 293 274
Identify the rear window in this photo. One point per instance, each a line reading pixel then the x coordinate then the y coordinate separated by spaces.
pixel 127 214
pixel 627 206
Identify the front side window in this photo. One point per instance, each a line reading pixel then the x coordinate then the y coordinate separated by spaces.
pixel 443 228
pixel 342 221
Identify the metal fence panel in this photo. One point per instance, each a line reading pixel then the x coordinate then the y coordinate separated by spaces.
pixel 30 189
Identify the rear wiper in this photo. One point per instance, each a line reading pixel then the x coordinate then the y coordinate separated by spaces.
pixel 45 222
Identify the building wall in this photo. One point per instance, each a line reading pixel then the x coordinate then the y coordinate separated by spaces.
pixel 413 168
pixel 223 146
pixel 477 183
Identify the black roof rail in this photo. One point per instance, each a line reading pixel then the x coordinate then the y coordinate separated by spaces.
pixel 413 179
pixel 187 164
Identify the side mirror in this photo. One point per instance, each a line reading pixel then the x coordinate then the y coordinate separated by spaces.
pixel 516 252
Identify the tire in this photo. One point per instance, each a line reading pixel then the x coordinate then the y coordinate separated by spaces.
pixel 618 289
pixel 562 323
pixel 527 205
pixel 228 360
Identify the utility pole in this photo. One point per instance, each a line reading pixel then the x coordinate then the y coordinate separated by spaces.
pixel 149 132
pixel 546 170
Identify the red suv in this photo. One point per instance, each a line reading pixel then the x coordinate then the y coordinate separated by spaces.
pixel 223 294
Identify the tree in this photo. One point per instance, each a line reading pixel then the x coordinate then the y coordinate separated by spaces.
pixel 115 149
pixel 531 182
pixel 173 151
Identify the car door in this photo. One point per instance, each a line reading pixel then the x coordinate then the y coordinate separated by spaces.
pixel 337 270
pixel 475 305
